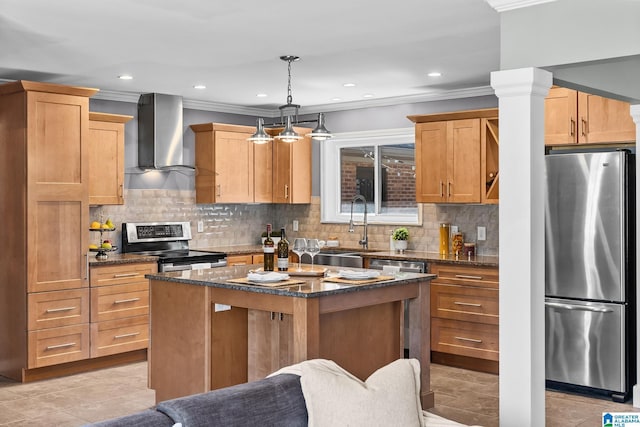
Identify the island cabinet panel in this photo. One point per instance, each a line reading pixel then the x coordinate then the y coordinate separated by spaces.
pixel 106 158
pixel 573 117
pixel 465 316
pixel 44 178
pixel 457 157
pixel 211 335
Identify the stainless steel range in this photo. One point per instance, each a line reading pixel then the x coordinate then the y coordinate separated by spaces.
pixel 170 242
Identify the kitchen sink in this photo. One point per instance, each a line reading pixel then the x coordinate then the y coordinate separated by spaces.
pixel 338 258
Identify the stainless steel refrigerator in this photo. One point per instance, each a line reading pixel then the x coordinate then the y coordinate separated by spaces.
pixel 590 272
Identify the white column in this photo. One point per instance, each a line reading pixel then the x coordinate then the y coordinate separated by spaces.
pixel 521 96
pixel 635 114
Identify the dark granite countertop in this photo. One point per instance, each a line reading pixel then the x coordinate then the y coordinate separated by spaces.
pixel 434 257
pixel 311 287
pixel 114 259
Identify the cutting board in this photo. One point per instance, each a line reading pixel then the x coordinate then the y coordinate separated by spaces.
pixel 357 282
pixel 288 282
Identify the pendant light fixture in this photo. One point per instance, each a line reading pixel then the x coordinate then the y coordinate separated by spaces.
pixel 288 134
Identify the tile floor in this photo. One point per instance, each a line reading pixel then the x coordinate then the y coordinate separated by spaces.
pixel 461 395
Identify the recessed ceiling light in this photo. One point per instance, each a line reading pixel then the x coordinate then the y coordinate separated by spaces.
pixel 367 95
pixel 199 87
pixel 261 95
pixel 125 77
pixel 336 99
pixel 434 74
pixel 349 85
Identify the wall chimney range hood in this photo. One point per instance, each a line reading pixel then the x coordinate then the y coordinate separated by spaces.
pixel 160 132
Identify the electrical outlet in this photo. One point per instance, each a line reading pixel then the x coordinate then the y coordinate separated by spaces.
pixel 200 226
pixel 454 229
pixel 482 233
pixel 295 225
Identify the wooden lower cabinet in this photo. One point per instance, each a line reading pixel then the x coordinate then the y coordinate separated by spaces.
pixel 464 316
pixel 58 345
pixel 246 259
pixel 119 307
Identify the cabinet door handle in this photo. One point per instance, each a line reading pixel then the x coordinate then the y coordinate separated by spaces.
pixel 219 191
pixel 572 126
pixel 119 276
pixel 86 267
pixel 464 276
pixel 122 301
pixel 121 190
pixel 449 189
pixel 469 339
pixel 53 347
pixel 133 334
pixel 57 310
pixel 286 191
pixel 441 189
pixel 583 129
pixel 469 304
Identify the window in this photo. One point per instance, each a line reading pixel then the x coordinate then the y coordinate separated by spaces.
pixel 378 165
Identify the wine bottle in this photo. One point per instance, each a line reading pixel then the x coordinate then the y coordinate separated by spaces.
pixel 268 248
pixel 283 252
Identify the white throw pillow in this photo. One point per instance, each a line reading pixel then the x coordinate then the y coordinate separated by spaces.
pixel 389 397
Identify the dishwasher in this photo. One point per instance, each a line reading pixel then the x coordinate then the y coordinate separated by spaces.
pixel 406 267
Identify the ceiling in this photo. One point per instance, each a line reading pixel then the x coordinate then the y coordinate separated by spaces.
pixel 233 47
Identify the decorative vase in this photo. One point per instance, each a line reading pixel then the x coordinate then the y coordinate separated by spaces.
pixel 400 245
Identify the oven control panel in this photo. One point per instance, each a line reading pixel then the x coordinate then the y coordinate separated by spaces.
pixel 157 231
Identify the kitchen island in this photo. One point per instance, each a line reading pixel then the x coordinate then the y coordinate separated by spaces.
pixel 209 331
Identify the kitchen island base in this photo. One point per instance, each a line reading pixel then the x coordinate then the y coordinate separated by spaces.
pixel 205 337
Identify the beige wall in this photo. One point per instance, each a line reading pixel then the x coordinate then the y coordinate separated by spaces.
pixel 242 223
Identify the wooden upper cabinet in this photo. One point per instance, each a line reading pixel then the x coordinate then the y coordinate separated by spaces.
pixel 457 157
pixel 231 169
pixel 292 170
pixel 576 117
pixel 106 158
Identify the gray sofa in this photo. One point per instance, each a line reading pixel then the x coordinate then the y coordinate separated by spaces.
pixel 273 401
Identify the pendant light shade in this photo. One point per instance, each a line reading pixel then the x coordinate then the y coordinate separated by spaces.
pixel 260 137
pixel 288 134
pixel 320 132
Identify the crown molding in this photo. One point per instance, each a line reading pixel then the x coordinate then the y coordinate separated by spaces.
pixel 505 5
pixel 133 97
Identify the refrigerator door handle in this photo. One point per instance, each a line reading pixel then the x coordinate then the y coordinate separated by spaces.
pixel 578 307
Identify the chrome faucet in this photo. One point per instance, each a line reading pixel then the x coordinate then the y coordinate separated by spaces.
pixel 365 240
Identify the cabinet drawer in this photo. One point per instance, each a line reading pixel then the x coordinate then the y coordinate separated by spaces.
pixel 486 277
pixel 464 303
pixel 119 336
pixel 465 338
pixel 121 274
pixel 58 345
pixel 239 260
pixel 57 308
pixel 119 301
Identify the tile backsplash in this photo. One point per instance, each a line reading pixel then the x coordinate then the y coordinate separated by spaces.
pixel 242 224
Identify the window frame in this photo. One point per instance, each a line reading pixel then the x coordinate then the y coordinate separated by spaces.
pixel 330 185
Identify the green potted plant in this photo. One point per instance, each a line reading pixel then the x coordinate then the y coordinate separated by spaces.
pixel 400 237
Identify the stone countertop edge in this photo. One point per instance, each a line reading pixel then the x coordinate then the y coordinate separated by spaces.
pixel 211 278
pixel 119 258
